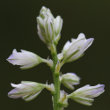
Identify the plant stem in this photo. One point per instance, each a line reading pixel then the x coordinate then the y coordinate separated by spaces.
pixel 56 80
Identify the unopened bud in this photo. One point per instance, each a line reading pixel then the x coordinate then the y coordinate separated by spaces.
pixel 63 101
pixel 69 80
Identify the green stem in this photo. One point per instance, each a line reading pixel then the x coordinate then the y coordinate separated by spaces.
pixel 56 95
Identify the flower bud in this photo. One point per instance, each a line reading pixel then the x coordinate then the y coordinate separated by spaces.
pixel 63 101
pixel 76 48
pixel 50 87
pixel 48 61
pixel 85 95
pixel 57 24
pixel 60 56
pixel 24 58
pixel 26 90
pixel 57 68
pixel 69 80
pixel 49 28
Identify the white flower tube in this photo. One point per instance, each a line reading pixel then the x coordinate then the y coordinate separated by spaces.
pixel 86 94
pixel 26 90
pixel 76 48
pixel 49 28
pixel 69 80
pixel 24 58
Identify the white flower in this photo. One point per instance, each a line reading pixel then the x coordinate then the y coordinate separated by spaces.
pixel 69 80
pixel 76 48
pixel 86 94
pixel 24 58
pixel 49 28
pixel 26 90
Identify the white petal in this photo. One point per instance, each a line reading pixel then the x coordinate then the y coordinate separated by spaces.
pixel 67 45
pixel 81 36
pixel 16 85
pixel 50 30
pixel 58 22
pixel 31 97
pixel 88 43
pixel 40 34
pixel 84 101
pixel 60 56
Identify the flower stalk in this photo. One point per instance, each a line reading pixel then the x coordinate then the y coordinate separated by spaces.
pixel 56 80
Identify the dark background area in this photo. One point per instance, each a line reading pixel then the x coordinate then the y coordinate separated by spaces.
pixel 18 29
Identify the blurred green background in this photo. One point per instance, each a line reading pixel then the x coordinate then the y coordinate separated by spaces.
pixel 18 30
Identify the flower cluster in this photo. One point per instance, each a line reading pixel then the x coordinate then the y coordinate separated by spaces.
pixel 49 31
pixel 49 28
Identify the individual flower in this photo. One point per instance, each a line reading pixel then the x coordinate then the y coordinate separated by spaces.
pixel 26 59
pixel 76 48
pixel 69 80
pixel 85 95
pixel 49 28
pixel 26 90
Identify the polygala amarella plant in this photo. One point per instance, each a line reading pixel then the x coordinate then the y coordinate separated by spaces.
pixel 49 31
